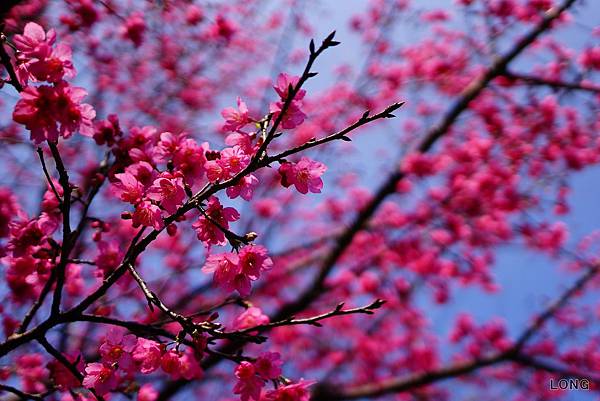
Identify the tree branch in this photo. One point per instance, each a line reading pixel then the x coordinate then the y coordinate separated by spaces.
pixel 552 83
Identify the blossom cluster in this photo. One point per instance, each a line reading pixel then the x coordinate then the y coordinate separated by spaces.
pixel 49 111
pixel 122 355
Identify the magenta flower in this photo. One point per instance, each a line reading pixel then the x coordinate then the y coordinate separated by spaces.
pixel 230 162
pixel 128 188
pixel 284 81
pixel 147 355
pixel 100 377
pixel 251 317
pixel 171 364
pixel 53 111
pixel 147 214
pixel 225 268
pixel 304 175
pixel 293 116
pixel 117 347
pixel 147 393
pixel 268 365
pixel 206 230
pixel 35 42
pixel 109 256
pixel 169 191
pixel 236 272
pixel 248 385
pixel 236 119
pixel 134 28
pixel 245 188
pixel 253 259
pixel 291 392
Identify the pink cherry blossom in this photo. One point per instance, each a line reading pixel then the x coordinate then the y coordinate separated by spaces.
pixel 236 119
pixel 291 392
pixel 245 189
pixel 268 365
pixel 147 214
pixel 100 377
pixel 117 347
pixel 147 393
pixel 283 83
pixel 230 162
pixel 129 188
pixel 249 385
pixel 251 317
pixel 304 175
pixel 49 112
pixel 253 259
pixel 134 28
pixel 147 355
pixel 293 116
pixel 168 190
pixel 206 230
pixel 35 42
pixel 226 269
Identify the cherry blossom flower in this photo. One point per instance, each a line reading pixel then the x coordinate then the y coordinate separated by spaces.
pixel 117 347
pixel 236 272
pixel 253 259
pixel 35 42
pixel 245 189
pixel 33 373
pixel 169 362
pixel 109 256
pixel 291 392
pixel 168 190
pixel 147 355
pixel 129 188
pixel 53 111
pixel 268 365
pixel 107 131
pixel 149 215
pixel 100 377
pixel 283 83
pixel 236 119
pixel 304 175
pixel 251 317
pixel 293 116
pixel 230 162
pixel 206 229
pixel 134 28
pixel 147 393
pixel 249 385
pixel 225 268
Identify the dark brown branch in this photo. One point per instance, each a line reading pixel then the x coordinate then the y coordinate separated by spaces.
pixel 21 394
pixel 314 320
pixel 5 60
pixel 188 325
pixel 552 83
pixel 555 306
pixel 38 303
pixel 67 244
pixel 48 177
pixel 65 362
